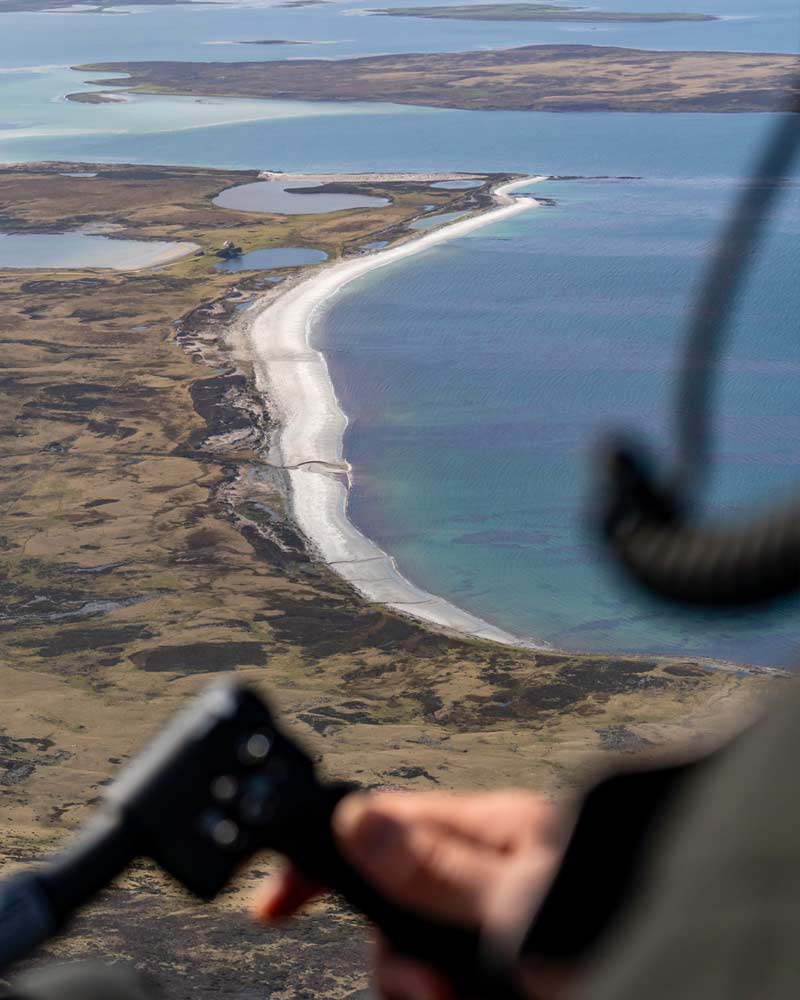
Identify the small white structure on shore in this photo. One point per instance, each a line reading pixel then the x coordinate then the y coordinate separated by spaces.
pixel 229 249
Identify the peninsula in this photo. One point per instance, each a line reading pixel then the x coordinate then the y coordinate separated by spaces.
pixel 531 78
pixel 149 546
pixel 540 12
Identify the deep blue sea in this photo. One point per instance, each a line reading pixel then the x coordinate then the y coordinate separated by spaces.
pixel 478 375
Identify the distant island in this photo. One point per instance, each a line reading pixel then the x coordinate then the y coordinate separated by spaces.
pixel 537 12
pixel 95 97
pixel 271 41
pixel 76 7
pixel 531 78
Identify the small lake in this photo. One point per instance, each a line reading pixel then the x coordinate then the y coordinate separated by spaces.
pixel 78 250
pixel 261 260
pixel 436 220
pixel 276 196
pixel 374 245
pixel 456 185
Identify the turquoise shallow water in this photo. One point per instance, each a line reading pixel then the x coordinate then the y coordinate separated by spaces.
pixel 36 51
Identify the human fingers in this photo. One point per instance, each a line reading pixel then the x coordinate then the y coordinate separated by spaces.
pixel 416 863
pixel 517 893
pixel 283 894
pixel 493 817
pixel 504 820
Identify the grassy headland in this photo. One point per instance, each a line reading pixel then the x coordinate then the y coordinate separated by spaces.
pixel 532 78
pixel 147 549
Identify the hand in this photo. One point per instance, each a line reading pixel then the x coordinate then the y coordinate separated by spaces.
pixel 481 860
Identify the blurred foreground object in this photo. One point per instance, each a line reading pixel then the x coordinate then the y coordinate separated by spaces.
pixel 219 784
pixel 715 910
pixel 646 516
pixel 84 981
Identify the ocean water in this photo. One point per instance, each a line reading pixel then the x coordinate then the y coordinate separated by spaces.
pixel 478 375
pixel 38 49
pixel 210 32
pixel 478 379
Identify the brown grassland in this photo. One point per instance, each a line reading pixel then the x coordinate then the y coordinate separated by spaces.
pixel 532 78
pixel 147 549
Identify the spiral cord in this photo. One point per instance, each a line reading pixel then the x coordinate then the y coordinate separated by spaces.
pixel 647 520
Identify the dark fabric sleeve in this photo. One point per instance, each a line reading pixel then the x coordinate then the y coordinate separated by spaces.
pixel 601 862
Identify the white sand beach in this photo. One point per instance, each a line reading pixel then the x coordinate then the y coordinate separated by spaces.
pixel 309 440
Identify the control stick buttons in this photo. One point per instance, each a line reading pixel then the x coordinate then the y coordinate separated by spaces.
pixel 256 811
pixel 257 806
pixel 255 749
pixel 225 833
pixel 224 788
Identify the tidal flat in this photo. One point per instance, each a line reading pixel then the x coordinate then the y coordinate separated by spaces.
pixel 148 549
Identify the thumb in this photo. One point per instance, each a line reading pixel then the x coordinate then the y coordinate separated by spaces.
pixel 282 895
pixel 415 863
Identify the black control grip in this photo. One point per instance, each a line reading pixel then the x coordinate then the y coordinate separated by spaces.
pixel 102 851
pixel 35 905
pixel 219 784
pixel 458 951
pixel 26 917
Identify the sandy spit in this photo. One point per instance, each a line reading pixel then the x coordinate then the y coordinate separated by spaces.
pixel 170 253
pixel 308 442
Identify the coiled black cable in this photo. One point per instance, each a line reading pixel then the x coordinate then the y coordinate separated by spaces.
pixel 646 519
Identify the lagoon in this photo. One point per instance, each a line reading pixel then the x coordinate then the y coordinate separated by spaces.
pixel 278 196
pixel 261 260
pixel 456 185
pixel 431 221
pixel 74 251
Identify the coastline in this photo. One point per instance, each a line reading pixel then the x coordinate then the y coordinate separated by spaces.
pixel 308 443
pixel 167 256
pixel 149 551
